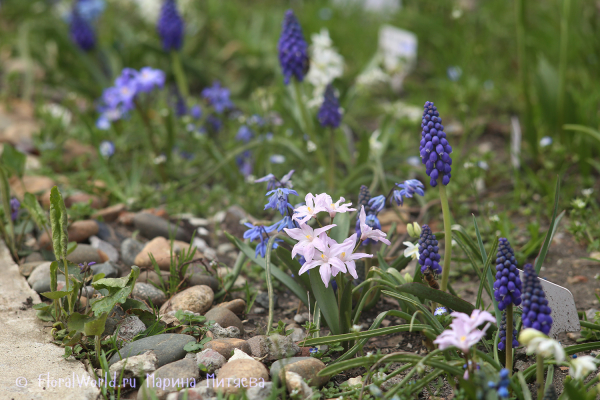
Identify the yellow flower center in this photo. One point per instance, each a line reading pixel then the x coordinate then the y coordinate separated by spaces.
pixel 309 209
pixel 463 338
pixel 343 254
pixel 309 237
pixel 333 206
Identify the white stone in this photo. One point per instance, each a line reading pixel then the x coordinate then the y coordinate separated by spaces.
pixel 239 355
pixel 136 366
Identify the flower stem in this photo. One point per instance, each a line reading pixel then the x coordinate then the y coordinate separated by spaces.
pixel 331 176
pixel 179 74
pixel 509 339
pixel 148 125
pixel 540 376
pixel 447 236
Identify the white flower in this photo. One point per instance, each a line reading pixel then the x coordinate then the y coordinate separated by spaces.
pixel 332 208
pixel 372 77
pixel 307 238
pixel 411 250
pixel 306 212
pixel 546 347
pixel 578 203
pixel 582 366
pixel 369 233
pixel 325 65
pixel 587 192
pixel 311 146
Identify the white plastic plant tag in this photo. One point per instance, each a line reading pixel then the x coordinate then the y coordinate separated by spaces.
pixel 399 49
pixel 561 302
pixel 515 142
pixel 383 6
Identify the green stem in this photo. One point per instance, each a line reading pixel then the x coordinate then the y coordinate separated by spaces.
pixel 97 347
pixel 179 74
pixel 331 161
pixel 64 259
pixel 509 339
pixel 148 125
pixel 447 236
pixel 269 282
pixel 562 66
pixel 540 376
pixel 306 121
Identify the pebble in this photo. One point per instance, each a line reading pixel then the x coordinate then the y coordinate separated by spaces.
pixel 107 248
pixel 108 234
pixel 263 299
pixel 109 269
pixel 237 306
pixel 307 368
pixel 298 333
pixel 260 393
pixel 218 217
pixel 356 381
pixel 274 347
pixel 591 314
pixel 170 317
pixel 223 248
pixel 177 373
pixel 167 347
pixel 129 328
pixel 86 253
pixel 225 347
pixel 151 226
pixel 38 273
pixel 225 318
pixel 160 248
pixel 147 292
pixel 299 318
pixel 79 231
pixel 35 256
pixel 111 213
pixel 202 391
pixel 259 310
pixel 148 276
pixel 211 359
pixel 202 231
pixel 130 248
pixel 197 299
pixel 223 333
pixel 197 276
pixel 136 366
pixel 239 355
pixel 80 197
pixel 296 386
pixel 115 316
pixel 27 268
pixel 240 369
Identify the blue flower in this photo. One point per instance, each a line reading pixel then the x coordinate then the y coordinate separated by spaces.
pixel 507 288
pixel 254 233
pixel 502 334
pixel 279 199
pixel 261 248
pixel 434 148
pixel 81 31
pixel 196 112
pixel 408 189
pixel 376 204
pixel 429 251
pixel 285 222
pixel 329 113
pixel 245 163
pixel 170 26
pixel 218 97
pixel 536 313
pixel 454 73
pixel 90 10
pixel 440 311
pixel 106 148
pixel 15 204
pixel 244 134
pixel 273 182
pixel 149 78
pixel 293 50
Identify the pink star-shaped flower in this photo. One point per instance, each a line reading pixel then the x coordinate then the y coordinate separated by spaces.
pixel 324 200
pixel 307 239
pixel 369 233
pixel 325 257
pixel 306 212
pixel 347 256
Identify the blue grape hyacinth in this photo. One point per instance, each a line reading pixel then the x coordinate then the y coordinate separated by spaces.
pixel 81 31
pixel 407 189
pixel 507 288
pixel 429 251
pixel 502 334
pixel 329 113
pixel 434 148
pixel 293 50
pixel 536 313
pixel 170 26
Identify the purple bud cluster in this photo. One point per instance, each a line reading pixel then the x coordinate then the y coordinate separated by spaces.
pixel 435 150
pixel 502 334
pixel 507 288
pixel 428 251
pixel 170 26
pixel 329 113
pixel 293 50
pixel 536 313
pixel 81 31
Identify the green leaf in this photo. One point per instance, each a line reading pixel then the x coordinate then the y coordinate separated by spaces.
pixel 76 321
pixel 36 211
pixel 340 232
pixel 133 304
pixel 486 271
pixel 285 257
pixel 366 334
pixel 488 276
pixel 13 159
pixel 277 273
pixel 584 129
pixel 446 299
pixel 53 275
pixel 327 302
pixel 54 295
pixel 96 326
pixel 71 247
pixel 551 230
pixel 193 347
pixel 58 221
pixel 118 291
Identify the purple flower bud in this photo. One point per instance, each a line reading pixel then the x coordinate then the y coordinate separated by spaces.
pixel 428 251
pixel 534 303
pixel 82 33
pixel 170 26
pixel 329 113
pixel 293 55
pixel 434 147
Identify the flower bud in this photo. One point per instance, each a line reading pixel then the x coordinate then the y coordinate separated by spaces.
pixel 528 334
pixel 417 229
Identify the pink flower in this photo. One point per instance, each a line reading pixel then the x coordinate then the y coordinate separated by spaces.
pixel 477 317
pixel 369 233
pixel 308 211
pixel 307 238
pixel 325 201
pixel 325 256
pixel 347 257
pixel 464 334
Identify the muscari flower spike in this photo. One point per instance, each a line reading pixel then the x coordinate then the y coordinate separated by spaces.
pixel 293 50
pixel 407 189
pixel 507 288
pixel 15 204
pixel 502 334
pixel 329 114
pixel 428 251
pixel 170 26
pixel 82 32
pixel 536 313
pixel 435 150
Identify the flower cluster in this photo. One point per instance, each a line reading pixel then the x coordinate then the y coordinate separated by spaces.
pixel 118 100
pixel 106 148
pixel 244 160
pixel 407 189
pixel 367 218
pixel 15 204
pixel 536 313
pixel 218 97
pixel 435 150
pixel 502 334
pixel 292 49
pixel 502 386
pixel 507 288
pixel 464 332
pixel 170 26
pixel 81 30
pixel 326 64
pixel 90 10
pixel 428 251
pixel 330 113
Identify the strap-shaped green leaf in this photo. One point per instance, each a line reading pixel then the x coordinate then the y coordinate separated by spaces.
pixel 539 260
pixel 54 295
pixel 36 211
pixel 58 221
